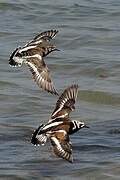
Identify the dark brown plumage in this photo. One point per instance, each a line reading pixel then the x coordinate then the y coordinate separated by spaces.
pixel 40 74
pixel 32 54
pixel 59 126
pixel 65 103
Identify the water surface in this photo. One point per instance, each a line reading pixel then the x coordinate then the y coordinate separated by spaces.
pixel 89 40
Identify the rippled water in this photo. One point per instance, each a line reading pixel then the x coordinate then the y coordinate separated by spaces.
pixel 89 40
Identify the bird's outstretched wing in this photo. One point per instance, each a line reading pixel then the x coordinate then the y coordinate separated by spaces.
pixel 61 145
pixel 65 103
pixel 39 45
pixel 40 73
pixel 42 37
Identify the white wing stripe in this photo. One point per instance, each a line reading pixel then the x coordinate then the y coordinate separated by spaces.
pixel 35 55
pixel 34 68
pixel 51 125
pixel 57 144
pixel 26 48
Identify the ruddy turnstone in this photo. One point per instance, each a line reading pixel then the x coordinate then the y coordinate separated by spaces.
pixel 59 126
pixel 32 54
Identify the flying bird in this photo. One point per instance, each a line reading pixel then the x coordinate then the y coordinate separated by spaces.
pixel 32 55
pixel 60 126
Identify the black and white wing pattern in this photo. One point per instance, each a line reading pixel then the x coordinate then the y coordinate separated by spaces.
pixel 39 45
pixel 38 138
pixel 33 50
pixel 50 34
pixel 20 54
pixel 42 37
pixel 61 145
pixel 40 73
pixel 16 58
pixel 65 103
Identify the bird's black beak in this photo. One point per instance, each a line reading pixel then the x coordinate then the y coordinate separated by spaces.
pixel 85 126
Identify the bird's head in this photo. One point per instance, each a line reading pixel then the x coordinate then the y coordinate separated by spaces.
pixel 81 124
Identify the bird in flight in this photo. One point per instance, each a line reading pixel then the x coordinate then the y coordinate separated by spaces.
pixel 32 54
pixel 59 127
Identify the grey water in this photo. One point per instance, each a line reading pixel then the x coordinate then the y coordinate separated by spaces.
pixel 89 43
